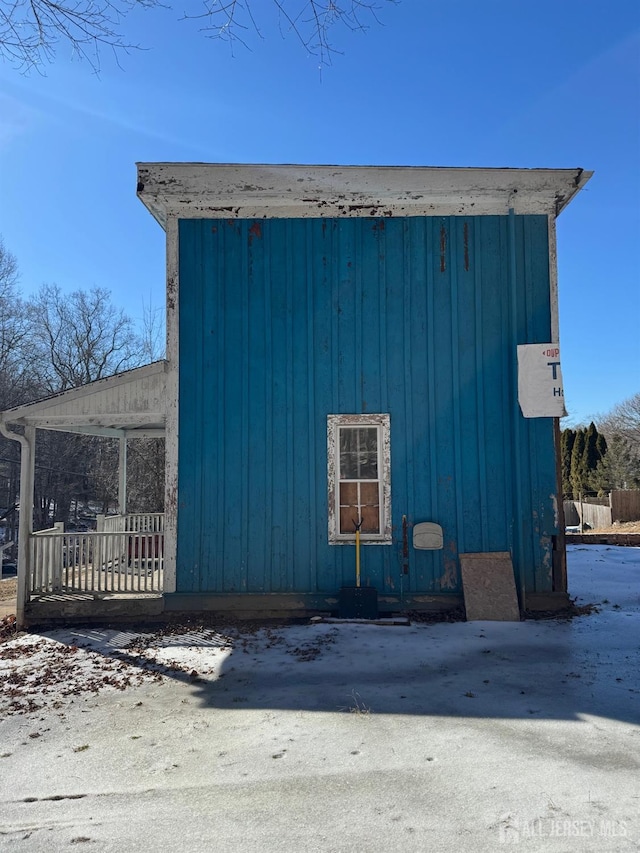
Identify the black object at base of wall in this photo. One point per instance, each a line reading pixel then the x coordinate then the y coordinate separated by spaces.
pixel 358 602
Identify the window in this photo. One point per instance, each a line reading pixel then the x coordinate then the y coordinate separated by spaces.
pixel 359 483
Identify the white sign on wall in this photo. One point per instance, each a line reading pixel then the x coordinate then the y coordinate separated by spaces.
pixel 540 391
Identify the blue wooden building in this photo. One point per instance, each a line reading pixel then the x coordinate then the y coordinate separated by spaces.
pixel 343 348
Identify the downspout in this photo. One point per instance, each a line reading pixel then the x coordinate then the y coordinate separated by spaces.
pixel 25 528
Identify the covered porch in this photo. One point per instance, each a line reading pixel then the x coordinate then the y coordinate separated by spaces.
pixel 119 567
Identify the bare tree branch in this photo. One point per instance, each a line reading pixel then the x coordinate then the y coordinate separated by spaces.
pixel 310 21
pixel 8 268
pixel 624 420
pixel 31 31
pixel 153 334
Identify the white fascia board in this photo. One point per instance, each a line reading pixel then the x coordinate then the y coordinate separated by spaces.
pixel 111 432
pixel 103 432
pixel 112 420
pixel 238 191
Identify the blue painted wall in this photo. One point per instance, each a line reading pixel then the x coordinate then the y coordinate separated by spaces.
pixel 283 322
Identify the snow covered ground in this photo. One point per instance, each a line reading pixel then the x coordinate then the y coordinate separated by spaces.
pixel 332 737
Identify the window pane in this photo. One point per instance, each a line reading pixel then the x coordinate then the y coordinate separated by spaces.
pixel 370 519
pixel 359 501
pixel 348 514
pixel 348 494
pixel 348 507
pixel 369 494
pixel 358 453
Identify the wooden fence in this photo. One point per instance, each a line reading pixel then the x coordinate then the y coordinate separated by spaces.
pixel 625 505
pixel 602 512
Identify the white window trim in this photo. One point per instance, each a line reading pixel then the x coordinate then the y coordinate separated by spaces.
pixel 383 422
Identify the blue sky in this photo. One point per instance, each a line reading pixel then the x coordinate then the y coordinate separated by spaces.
pixel 551 83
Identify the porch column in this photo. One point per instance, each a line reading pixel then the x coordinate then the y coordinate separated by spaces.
pixel 172 414
pixel 122 476
pixel 25 529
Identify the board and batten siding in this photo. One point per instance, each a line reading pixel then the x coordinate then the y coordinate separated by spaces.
pixel 285 321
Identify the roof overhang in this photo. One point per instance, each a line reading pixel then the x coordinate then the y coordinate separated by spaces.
pixel 130 404
pixel 239 191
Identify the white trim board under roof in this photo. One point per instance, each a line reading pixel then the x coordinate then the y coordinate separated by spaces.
pixel 242 191
pixel 130 404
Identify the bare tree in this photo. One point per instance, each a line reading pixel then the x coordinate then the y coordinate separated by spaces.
pixel 103 474
pixel 57 341
pixel 31 31
pixel 145 462
pixel 14 377
pixel 8 268
pixel 153 334
pixel 79 337
pixel 75 338
pixel 12 383
pixel 624 421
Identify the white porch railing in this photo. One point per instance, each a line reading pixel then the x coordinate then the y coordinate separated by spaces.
pixel 120 561
pixel 138 522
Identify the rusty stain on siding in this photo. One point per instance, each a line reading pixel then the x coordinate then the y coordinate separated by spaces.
pixel 255 231
pixel 466 246
pixel 443 249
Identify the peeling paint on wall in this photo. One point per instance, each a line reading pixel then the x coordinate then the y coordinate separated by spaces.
pixel 546 546
pixel 449 578
pixel 172 292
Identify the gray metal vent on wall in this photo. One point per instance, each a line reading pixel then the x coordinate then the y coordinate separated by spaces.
pixel 427 536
